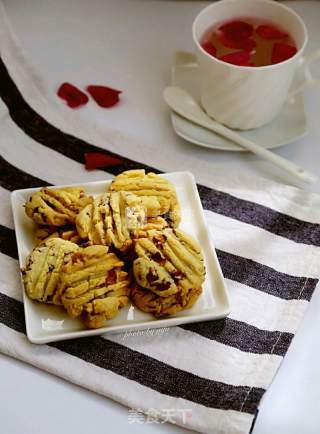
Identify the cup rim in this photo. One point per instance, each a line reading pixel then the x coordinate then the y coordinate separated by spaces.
pixel 251 68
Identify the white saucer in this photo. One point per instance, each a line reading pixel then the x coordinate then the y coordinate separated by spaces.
pixel 289 126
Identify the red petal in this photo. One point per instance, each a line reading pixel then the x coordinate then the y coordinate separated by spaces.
pixel 240 58
pixel 270 32
pixel 72 95
pixel 236 30
pixel 281 52
pixel 209 48
pixel 104 96
pixel 242 44
pixel 96 160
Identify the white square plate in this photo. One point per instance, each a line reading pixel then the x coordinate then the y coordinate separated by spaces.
pixel 48 323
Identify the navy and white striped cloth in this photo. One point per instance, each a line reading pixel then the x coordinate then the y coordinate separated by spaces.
pixel 267 238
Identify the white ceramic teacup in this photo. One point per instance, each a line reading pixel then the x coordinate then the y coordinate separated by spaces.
pixel 246 97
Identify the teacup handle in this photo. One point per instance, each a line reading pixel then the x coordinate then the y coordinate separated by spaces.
pixel 309 80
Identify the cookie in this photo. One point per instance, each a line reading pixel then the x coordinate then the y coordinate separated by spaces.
pixel 43 266
pixel 68 232
pixel 149 302
pixel 158 195
pixel 114 218
pixel 56 207
pixel 98 311
pixel 94 285
pixel 168 262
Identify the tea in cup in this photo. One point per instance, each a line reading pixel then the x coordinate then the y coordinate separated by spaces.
pixel 248 52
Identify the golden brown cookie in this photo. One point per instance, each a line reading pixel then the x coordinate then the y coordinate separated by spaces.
pixel 43 266
pixel 114 218
pixel 68 232
pixel 94 285
pixel 149 302
pixel 159 195
pixel 169 261
pixel 56 207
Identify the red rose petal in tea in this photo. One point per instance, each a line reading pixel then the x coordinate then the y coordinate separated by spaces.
pixel 209 48
pixel 73 96
pixel 237 30
pixel 96 160
pixel 282 52
pixel 241 44
pixel 270 32
pixel 240 58
pixel 104 96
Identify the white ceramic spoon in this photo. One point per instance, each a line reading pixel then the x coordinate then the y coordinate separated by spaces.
pixel 185 105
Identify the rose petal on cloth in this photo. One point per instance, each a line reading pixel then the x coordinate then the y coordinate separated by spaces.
pixel 270 32
pixel 209 48
pixel 241 44
pixel 237 30
pixel 73 96
pixel 96 160
pixel 104 96
pixel 281 52
pixel 240 58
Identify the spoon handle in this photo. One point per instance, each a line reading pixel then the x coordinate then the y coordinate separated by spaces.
pixel 281 162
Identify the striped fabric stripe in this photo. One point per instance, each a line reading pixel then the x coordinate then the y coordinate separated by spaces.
pixel 130 362
pixel 243 336
pixel 212 356
pixel 258 215
pixel 12 178
pixel 41 131
pixel 8 242
pixel 134 366
pixel 242 243
pixel 265 278
pixel 12 313
pixel 121 389
pixel 163 378
pixel 262 310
